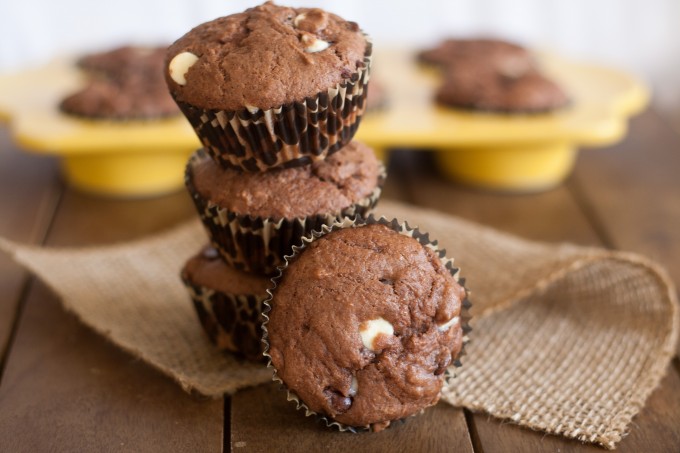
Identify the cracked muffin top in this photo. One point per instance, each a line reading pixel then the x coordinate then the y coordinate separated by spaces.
pixel 322 187
pixel 364 322
pixel 267 56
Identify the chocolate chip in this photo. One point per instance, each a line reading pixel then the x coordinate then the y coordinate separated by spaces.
pixel 337 400
pixel 442 365
pixel 210 253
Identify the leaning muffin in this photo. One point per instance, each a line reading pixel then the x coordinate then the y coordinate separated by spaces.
pixel 254 219
pixel 363 324
pixel 272 86
pixel 228 303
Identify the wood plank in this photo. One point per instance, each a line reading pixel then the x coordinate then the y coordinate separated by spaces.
pixel 632 191
pixel 68 389
pixel 393 189
pixel 88 219
pixel 263 421
pixel 23 218
pixel 546 216
pixel 655 430
pixel 555 215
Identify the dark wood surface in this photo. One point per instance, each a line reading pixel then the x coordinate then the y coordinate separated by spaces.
pixel 64 388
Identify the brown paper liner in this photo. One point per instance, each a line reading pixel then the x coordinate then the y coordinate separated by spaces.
pixel 290 135
pixel 402 228
pixel 258 244
pixel 232 322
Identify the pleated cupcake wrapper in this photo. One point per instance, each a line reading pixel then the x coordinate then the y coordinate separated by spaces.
pixel 290 135
pixel 402 228
pixel 232 322
pixel 258 244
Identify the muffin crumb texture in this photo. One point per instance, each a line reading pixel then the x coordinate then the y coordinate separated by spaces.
pixel 364 323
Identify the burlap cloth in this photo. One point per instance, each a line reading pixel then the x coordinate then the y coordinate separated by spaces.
pixel 566 339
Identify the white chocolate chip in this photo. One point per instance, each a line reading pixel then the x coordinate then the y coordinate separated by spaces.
pixel 369 330
pixel 299 18
pixel 313 44
pixel 451 322
pixel 251 108
pixel 179 65
pixel 353 387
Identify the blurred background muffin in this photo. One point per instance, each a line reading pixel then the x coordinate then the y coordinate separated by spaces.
pixel 492 75
pixel 125 83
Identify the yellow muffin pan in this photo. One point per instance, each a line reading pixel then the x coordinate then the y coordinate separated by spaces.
pixel 509 152
pixel 133 158
pixel 522 152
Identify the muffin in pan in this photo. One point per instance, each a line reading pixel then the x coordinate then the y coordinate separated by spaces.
pixel 364 322
pixel 495 52
pixel 496 88
pixel 272 86
pixel 254 219
pixel 125 83
pixel 228 303
pixel 492 75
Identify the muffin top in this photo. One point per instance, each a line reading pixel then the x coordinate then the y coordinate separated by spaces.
pixel 495 88
pixel 207 269
pixel 324 187
pixel 267 56
pixel 125 83
pixel 492 51
pixel 136 98
pixel 122 62
pixel 363 324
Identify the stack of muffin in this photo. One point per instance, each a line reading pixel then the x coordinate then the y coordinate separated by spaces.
pixel 275 94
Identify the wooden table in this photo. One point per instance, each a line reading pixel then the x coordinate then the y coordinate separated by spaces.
pixel 66 389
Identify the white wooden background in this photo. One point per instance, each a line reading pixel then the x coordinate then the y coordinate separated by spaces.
pixel 639 35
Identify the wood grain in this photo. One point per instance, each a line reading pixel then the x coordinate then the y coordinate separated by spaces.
pixel 29 193
pixel 655 430
pixel 546 216
pixel 67 389
pixel 263 421
pixel 632 191
pixel 560 215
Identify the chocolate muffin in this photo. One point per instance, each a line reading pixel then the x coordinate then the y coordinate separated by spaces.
pixel 122 62
pixel 254 219
pixel 135 98
pixel 228 303
pixel 494 51
pixel 511 89
pixel 364 323
pixel 125 84
pixel 272 86
pixel 492 75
